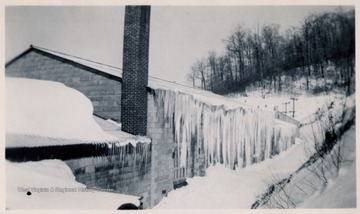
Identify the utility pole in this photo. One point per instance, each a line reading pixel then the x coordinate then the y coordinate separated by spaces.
pixel 286 103
pixel 293 111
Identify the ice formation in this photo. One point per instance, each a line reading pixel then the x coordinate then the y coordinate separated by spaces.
pixel 236 137
pixel 283 135
pixel 136 156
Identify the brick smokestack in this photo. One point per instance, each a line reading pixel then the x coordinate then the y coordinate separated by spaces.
pixel 135 70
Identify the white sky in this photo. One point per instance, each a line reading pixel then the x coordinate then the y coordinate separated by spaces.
pixel 178 36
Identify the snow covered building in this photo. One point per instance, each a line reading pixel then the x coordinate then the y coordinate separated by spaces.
pixel 189 128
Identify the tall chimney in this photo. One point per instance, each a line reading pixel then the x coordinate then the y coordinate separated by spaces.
pixel 135 70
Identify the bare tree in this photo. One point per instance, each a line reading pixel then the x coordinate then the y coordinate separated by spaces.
pixel 199 69
pixel 212 65
pixel 235 44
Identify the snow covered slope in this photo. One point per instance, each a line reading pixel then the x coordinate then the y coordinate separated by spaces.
pixel 340 192
pixel 305 105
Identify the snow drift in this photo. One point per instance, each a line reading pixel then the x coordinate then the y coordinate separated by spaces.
pixel 52 186
pixel 223 188
pixel 50 109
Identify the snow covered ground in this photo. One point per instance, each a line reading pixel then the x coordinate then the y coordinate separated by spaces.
pixel 223 188
pixel 305 105
pixel 340 192
pixel 52 186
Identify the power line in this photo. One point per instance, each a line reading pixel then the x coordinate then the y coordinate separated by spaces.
pixel 293 111
pixel 286 103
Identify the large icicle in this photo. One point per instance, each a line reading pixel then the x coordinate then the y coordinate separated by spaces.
pixel 236 137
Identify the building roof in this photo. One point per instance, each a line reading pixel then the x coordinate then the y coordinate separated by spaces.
pixel 56 116
pixel 20 140
pixel 110 127
pixel 154 82
pixel 14 140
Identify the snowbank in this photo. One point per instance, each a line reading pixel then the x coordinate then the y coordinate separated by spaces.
pixel 52 186
pixel 223 188
pixel 50 109
pixel 319 184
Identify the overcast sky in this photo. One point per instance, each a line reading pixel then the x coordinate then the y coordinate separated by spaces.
pixel 178 34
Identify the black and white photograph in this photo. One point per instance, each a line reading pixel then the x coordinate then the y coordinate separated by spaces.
pixel 179 107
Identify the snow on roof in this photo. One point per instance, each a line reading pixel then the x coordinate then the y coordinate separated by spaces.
pixel 154 82
pixel 53 186
pixel 25 140
pixel 54 112
pixel 114 129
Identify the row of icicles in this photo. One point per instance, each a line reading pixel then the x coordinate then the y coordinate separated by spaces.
pixel 233 137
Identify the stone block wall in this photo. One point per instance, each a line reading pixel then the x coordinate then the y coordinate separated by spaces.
pixel 196 164
pixel 127 170
pixel 164 160
pixel 104 90
pixel 162 164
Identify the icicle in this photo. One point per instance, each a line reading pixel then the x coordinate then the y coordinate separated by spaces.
pixel 237 137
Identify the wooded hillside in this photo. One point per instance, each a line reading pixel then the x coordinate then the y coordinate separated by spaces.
pixel 322 48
